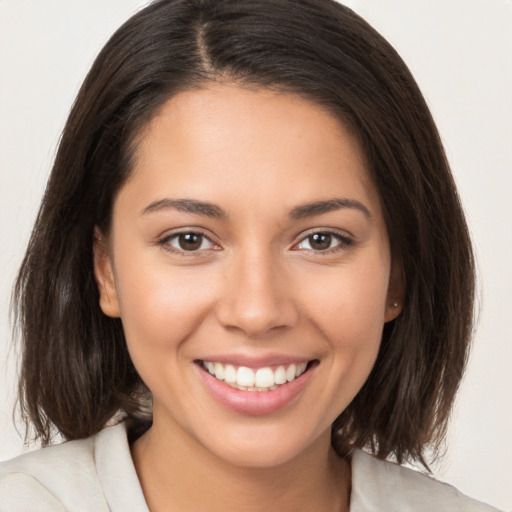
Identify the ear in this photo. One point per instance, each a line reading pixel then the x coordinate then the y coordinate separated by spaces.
pixel 396 291
pixel 104 274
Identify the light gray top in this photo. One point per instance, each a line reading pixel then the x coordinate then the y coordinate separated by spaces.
pixel 97 474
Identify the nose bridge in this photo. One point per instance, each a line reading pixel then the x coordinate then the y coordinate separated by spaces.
pixel 256 296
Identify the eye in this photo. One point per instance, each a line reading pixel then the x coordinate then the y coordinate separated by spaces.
pixel 187 241
pixel 323 242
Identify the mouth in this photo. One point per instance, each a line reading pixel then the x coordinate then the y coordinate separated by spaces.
pixel 256 388
pixel 263 379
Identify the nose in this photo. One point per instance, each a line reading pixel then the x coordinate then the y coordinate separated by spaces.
pixel 257 296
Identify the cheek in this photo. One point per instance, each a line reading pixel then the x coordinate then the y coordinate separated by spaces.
pixel 349 303
pixel 348 308
pixel 161 308
pixel 161 305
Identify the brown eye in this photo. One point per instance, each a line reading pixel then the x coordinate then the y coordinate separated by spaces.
pixel 190 241
pixel 320 241
pixel 324 241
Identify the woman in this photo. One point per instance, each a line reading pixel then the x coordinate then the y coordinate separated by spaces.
pixel 252 259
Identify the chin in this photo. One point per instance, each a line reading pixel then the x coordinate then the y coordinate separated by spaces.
pixel 261 449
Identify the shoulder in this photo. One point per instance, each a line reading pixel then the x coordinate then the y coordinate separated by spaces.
pixel 377 483
pixel 53 478
pixel 74 476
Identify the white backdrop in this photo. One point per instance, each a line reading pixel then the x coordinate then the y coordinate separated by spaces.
pixel 461 54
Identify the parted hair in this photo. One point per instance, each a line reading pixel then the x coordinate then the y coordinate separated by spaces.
pixel 76 373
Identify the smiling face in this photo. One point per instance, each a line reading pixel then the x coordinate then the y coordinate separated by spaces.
pixel 249 262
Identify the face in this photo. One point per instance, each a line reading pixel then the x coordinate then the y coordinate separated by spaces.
pixel 250 265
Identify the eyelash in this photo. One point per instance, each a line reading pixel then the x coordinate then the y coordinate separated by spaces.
pixel 345 242
pixel 166 240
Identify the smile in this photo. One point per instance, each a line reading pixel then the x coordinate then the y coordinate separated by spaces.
pixel 260 379
pixel 256 389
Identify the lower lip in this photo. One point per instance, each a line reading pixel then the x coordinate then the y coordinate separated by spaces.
pixel 255 403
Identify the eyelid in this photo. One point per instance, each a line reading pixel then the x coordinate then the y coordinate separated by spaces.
pixel 163 241
pixel 346 240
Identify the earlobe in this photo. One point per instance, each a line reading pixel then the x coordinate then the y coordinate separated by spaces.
pixel 104 275
pixel 393 309
pixel 396 292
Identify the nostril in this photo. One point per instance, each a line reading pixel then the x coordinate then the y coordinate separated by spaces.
pixel 255 318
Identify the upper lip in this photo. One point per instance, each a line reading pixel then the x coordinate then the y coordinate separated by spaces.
pixel 251 361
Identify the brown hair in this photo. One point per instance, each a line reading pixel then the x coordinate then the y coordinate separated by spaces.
pixel 76 371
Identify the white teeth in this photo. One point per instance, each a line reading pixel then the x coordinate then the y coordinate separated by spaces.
pixel 301 368
pixel 280 375
pixel 219 371
pixel 264 378
pixel 230 373
pixel 245 376
pixel 247 379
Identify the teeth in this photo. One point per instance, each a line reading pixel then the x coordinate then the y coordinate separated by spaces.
pixel 244 376
pixel 280 375
pixel 219 371
pixel 301 368
pixel 263 379
pixel 230 373
pixel 291 372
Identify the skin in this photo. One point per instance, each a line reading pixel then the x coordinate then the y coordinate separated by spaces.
pixel 256 286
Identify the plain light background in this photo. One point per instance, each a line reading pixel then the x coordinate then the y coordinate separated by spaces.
pixel 460 52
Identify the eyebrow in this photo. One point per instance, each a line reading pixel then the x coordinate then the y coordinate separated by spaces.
pixel 188 206
pixel 298 212
pixel 320 207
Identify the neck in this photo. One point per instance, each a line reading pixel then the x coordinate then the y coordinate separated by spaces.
pixel 177 475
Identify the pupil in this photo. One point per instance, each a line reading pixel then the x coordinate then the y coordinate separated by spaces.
pixel 190 241
pixel 320 241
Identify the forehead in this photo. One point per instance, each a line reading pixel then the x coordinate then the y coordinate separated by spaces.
pixel 256 143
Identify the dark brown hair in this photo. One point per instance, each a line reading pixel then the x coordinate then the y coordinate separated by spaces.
pixel 76 371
